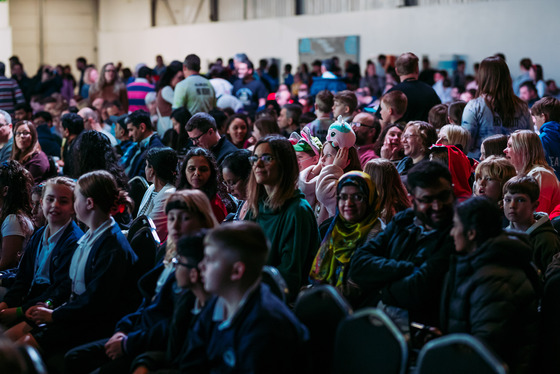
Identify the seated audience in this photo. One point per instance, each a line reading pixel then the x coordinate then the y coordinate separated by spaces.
pixel 146 328
pixel 46 260
pixel 546 115
pixel 356 221
pixel 393 196
pixel 27 151
pixel 200 172
pixel 102 277
pixel 280 208
pixel 389 145
pixel 161 172
pixel 493 145
pixel 492 287
pixel 15 212
pixel 416 139
pixel 525 151
pixel 203 132
pixel 403 268
pixel 318 182
pixel 521 198
pixel 236 169
pixel 392 108
pixel 272 337
pixel 237 130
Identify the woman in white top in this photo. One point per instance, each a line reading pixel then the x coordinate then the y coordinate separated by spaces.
pixel 161 171
pixel 15 212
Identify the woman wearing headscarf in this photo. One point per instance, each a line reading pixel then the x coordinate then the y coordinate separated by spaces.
pixel 356 220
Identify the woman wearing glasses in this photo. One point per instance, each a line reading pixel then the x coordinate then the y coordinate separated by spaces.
pixel 356 220
pixel 281 209
pixel 109 87
pixel 417 138
pixel 27 151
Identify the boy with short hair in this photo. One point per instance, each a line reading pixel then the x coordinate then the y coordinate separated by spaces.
pixel 521 198
pixel 345 103
pixel 324 102
pixel 188 303
pixel 245 328
pixel 546 117
pixel 437 116
pixel 455 112
pixel 393 107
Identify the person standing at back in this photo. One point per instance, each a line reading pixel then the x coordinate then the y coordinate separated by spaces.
pixel 194 92
pixel 421 97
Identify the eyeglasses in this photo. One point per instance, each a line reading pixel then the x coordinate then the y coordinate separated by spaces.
pixel 23 133
pixel 196 139
pixel 358 124
pixel 356 197
pixel 175 262
pixel 266 159
pixel 231 183
pixel 442 197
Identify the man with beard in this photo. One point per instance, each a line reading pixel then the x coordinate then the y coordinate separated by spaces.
pixel 402 269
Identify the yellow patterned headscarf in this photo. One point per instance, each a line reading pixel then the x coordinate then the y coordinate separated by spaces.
pixel 344 237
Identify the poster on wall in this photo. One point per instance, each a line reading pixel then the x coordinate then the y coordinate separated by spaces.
pixel 343 47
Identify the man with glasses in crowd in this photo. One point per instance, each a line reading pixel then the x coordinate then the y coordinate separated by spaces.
pixel 367 129
pixel 402 269
pixel 6 136
pixel 203 132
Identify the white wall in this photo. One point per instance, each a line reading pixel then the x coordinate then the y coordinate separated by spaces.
pixel 517 28
pixel 69 31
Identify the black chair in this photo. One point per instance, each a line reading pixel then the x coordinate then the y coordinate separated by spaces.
pixel 458 354
pixel 139 223
pixel 145 244
pixel 321 308
pixel 369 342
pixel 33 362
pixel 272 277
pixel 138 187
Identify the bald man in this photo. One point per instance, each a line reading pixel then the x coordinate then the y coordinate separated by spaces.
pixel 367 129
pixel 91 122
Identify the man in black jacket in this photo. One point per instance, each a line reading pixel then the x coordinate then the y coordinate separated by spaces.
pixel 402 269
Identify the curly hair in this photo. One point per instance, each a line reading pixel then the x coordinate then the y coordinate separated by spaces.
pixel 17 198
pixel 96 153
pixel 214 186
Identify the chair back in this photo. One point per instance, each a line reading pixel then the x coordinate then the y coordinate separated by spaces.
pixel 139 223
pixel 369 342
pixel 32 359
pixel 145 244
pixel 320 309
pixel 138 187
pixel 458 354
pixel 272 278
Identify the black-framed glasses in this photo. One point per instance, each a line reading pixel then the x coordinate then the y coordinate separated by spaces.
pixel 175 262
pixel 358 124
pixel 442 197
pixel 266 158
pixel 196 139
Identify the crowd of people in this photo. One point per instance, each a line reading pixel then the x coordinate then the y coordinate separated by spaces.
pixel 431 195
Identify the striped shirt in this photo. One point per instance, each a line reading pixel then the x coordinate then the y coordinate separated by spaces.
pixel 137 92
pixel 10 95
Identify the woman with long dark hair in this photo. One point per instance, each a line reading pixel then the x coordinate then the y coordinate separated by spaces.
pixel 496 109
